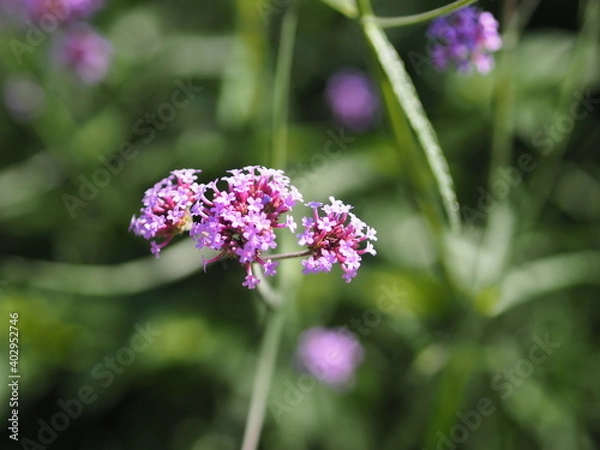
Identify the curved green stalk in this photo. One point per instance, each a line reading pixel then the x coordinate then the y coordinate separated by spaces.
pixel 402 21
pixel 406 94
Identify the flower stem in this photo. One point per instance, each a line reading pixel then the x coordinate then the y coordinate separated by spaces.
pixel 402 21
pixel 262 380
pixel 282 86
pixel 289 255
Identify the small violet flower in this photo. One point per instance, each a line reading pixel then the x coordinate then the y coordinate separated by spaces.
pixel 48 12
pixel 464 40
pixel 166 210
pixel 240 220
pixel 330 355
pixel 352 99
pixel 335 237
pixel 85 52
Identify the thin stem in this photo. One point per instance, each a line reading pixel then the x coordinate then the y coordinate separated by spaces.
pixel 270 296
pixel 276 316
pixel 289 255
pixel 262 380
pixel 282 86
pixel 502 148
pixel 402 21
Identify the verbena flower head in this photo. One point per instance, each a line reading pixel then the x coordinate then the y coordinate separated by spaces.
pixel 464 40
pixel 60 11
pixel 86 53
pixel 352 99
pixel 166 210
pixel 239 221
pixel 335 237
pixel 330 355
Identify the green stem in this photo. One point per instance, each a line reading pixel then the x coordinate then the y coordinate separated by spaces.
pixel 289 255
pixel 276 315
pixel 402 21
pixel 262 380
pixel 502 148
pixel 282 86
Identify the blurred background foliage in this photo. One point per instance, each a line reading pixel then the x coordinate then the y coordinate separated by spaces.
pixel 526 268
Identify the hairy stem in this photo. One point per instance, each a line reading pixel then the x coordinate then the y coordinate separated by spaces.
pixel 402 21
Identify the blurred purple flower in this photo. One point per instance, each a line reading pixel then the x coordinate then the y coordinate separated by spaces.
pixel 464 40
pixel 166 210
pixel 240 221
pixel 335 238
pixel 23 96
pixel 61 11
pixel 330 355
pixel 85 52
pixel 12 12
pixel 352 99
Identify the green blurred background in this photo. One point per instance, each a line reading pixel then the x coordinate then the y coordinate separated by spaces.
pixel 525 270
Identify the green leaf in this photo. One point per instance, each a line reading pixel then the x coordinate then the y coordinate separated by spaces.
pixel 545 276
pixel 346 7
pixel 406 94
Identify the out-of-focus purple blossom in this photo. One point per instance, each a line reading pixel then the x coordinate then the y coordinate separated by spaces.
pixel 335 237
pixel 61 11
pixel 239 221
pixel 352 99
pixel 330 355
pixel 86 53
pixel 12 12
pixel 464 40
pixel 23 96
pixel 166 210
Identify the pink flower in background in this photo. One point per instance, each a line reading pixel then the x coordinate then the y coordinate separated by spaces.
pixel 85 52
pixel 61 11
pixel 12 12
pixel 330 355
pixel 352 99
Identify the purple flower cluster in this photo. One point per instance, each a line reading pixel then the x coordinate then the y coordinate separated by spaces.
pixel 166 210
pixel 330 355
pixel 62 11
pixel 239 221
pixel 352 99
pixel 76 45
pixel 465 39
pixel 335 238
pixel 237 216
pixel 85 52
